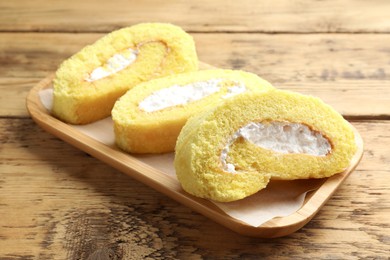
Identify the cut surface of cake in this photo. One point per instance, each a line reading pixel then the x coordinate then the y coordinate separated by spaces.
pixel 235 149
pixel 149 117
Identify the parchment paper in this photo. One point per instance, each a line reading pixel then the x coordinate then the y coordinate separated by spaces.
pixel 279 199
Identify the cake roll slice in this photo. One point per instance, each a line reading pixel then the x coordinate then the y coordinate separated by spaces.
pixel 87 84
pixel 234 149
pixel 149 117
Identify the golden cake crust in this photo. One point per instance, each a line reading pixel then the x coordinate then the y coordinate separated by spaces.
pixel 163 49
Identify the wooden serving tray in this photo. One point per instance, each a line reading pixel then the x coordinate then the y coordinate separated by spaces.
pixel 158 180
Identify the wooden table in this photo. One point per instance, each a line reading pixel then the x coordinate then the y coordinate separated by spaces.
pixel 57 202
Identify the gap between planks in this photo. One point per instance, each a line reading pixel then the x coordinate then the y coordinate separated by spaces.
pixel 199 31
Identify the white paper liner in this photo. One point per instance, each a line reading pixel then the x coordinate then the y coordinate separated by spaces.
pixel 279 199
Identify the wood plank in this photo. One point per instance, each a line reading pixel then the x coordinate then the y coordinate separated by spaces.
pixel 350 72
pixel 59 203
pixel 247 15
pixel 13 95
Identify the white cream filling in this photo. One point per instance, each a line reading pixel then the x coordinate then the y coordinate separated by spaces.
pixel 114 64
pixel 282 137
pixel 234 90
pixel 181 95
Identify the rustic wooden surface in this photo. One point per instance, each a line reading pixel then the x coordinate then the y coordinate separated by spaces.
pixel 57 202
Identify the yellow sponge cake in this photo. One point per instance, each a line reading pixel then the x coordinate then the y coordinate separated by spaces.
pixel 87 85
pixel 149 117
pixel 233 150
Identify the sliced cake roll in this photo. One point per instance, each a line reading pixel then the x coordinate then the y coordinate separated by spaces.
pixel 149 117
pixel 233 150
pixel 87 85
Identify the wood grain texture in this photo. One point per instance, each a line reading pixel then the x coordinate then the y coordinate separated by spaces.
pixel 349 72
pixel 57 202
pixel 62 203
pixel 300 16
